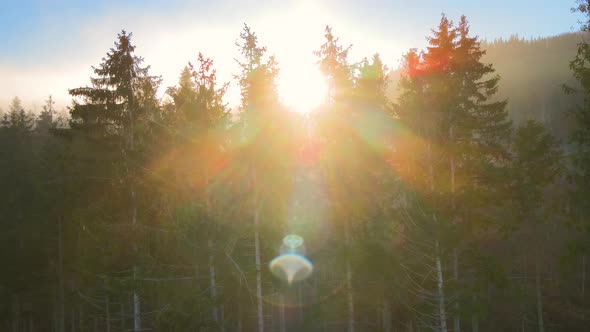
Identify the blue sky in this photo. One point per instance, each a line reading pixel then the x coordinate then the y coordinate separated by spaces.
pixel 49 46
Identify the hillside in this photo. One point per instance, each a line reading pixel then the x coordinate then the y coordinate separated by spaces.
pixel 532 74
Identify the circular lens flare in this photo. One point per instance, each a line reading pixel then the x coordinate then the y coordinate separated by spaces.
pixel 293 241
pixel 291 267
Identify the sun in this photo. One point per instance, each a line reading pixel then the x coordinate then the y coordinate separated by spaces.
pixel 302 88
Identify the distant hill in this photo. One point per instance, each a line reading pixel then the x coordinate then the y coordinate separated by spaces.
pixel 532 74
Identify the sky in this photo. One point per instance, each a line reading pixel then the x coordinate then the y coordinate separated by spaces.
pixel 50 46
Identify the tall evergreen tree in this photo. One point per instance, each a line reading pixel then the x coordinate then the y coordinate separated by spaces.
pixel 264 130
pixel 114 116
pixel 463 140
pixel 537 163
pixel 333 121
pixel 580 138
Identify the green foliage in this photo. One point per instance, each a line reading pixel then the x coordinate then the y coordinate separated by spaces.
pixel 536 164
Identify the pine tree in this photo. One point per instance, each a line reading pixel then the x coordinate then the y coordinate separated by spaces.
pixel 114 117
pixel 45 120
pixel 373 190
pixel 259 121
pixel 333 63
pixel 334 122
pixel 461 143
pixel 536 164
pixel 580 137
pixel 200 119
pixel 21 245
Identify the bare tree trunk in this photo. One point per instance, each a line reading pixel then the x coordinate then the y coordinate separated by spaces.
pixel 210 247
pixel 475 317
pixel 457 316
pixel 386 316
pixel 300 304
pixel 282 323
pixel 72 320
pixel 108 313
pixel 123 320
pixel 136 300
pixel 15 313
pixel 54 318
pixel 136 307
pixel 212 285
pixel 583 274
pixel 349 289
pixel 260 313
pixel 131 142
pixel 222 317
pixel 61 324
pixel 239 327
pixel 442 314
pixel 80 317
pixel 539 297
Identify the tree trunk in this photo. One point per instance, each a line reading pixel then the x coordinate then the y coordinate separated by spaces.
pixel 212 285
pixel 80 317
pixel 222 317
pixel 72 320
pixel 123 320
pixel 15 313
pixel 108 314
pixel 457 316
pixel 136 310
pixel 61 324
pixel 282 323
pixel 539 297
pixel 474 317
pixel 386 316
pixel 583 274
pixel 349 289
pixel 239 327
pixel 260 313
pixel 300 305
pixel 136 300
pixel 131 174
pixel 54 318
pixel 350 296
pixel 210 247
pixel 442 314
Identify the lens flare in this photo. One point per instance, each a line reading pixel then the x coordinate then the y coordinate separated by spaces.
pixel 293 241
pixel 291 267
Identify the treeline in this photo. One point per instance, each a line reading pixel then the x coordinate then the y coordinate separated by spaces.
pixel 533 93
pixel 433 212
pixel 533 72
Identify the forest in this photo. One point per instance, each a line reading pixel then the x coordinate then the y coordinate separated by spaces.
pixel 447 194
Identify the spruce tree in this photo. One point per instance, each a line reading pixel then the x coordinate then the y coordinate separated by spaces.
pixel 536 165
pixel 195 155
pixel 457 136
pixel 580 137
pixel 579 147
pixel 261 128
pixel 113 117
